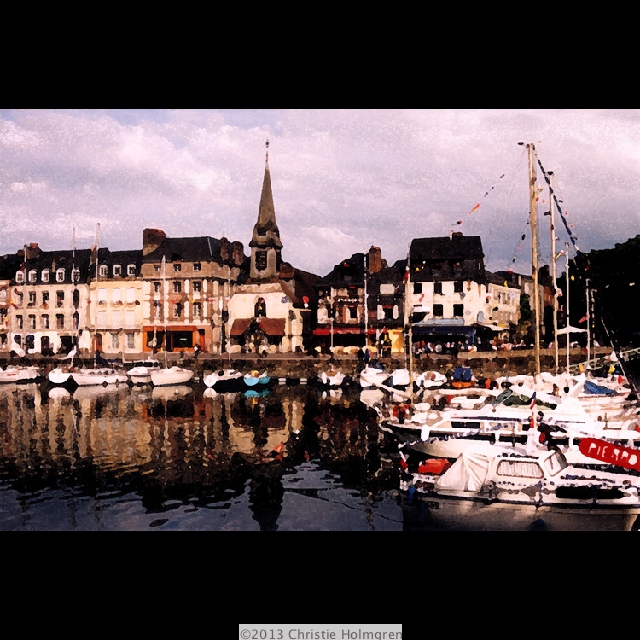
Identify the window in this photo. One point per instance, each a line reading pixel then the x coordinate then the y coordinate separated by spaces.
pixel 19 298
pixel 76 298
pixel 177 310
pixel 45 275
pixel 45 298
pixel 177 267
pixel 60 275
pixel 458 286
pixel 59 298
pixel 458 310
pixel 116 296
pixel 20 277
pixel 130 319
pixel 131 269
pixel 417 287
pixel 438 311
pixel 261 260
pixel 33 275
pixel 75 276
pixel 197 286
pixel 131 341
pixel 177 287
pixel 102 296
pixel 156 287
pixel 76 320
pixel 156 309
pixel 104 270
pixel 115 341
pixel 519 468
pixel 45 321
pixel 437 288
pixel 102 319
pixel 156 267
pixel 197 266
pixel 32 298
pixel 197 310
pixel 353 313
pixel 59 321
pixel 19 322
pixel 131 295
pixel 117 270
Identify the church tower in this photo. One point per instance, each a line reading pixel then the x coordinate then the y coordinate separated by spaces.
pixel 266 246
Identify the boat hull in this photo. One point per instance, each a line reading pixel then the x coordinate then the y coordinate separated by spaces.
pixel 454 514
pixel 172 376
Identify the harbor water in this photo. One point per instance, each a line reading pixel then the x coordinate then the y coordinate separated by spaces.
pixel 292 458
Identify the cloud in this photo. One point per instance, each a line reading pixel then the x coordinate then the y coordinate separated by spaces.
pixel 342 179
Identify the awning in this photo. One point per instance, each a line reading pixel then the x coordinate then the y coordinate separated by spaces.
pixel 442 330
pixel 493 327
pixel 239 326
pixel 271 326
pixel 324 331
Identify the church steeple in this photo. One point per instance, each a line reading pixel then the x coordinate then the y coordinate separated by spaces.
pixel 265 245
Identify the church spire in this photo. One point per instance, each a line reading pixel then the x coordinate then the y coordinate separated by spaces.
pixel 266 210
pixel 266 245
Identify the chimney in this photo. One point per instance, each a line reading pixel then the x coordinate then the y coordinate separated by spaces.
pixel 237 253
pixel 375 259
pixel 151 240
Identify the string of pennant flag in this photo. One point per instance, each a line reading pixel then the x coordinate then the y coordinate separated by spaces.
pixel 568 227
pixel 477 205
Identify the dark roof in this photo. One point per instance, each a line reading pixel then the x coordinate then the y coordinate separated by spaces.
pixel 349 272
pixel 447 258
pixel 54 260
pixel 200 248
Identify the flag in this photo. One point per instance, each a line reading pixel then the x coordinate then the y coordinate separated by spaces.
pixel 457 222
pixel 533 400
pixel 475 208
pixel 584 319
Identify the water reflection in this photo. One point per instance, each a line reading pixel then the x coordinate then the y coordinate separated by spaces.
pixel 293 458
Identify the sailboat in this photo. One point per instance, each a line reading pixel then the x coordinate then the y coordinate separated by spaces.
pixel 166 375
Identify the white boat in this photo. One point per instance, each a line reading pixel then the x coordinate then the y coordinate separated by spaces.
pixel 140 373
pixel 431 380
pixel 332 378
pixel 224 380
pixel 255 378
pixel 60 375
pixel 372 377
pixel 98 377
pixel 172 375
pixel 494 487
pixel 19 374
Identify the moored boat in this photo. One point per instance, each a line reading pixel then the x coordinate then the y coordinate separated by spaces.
pixel 19 374
pixel 170 376
pixel 497 487
pixel 98 377
pixel 224 380
pixel 256 379
pixel 140 373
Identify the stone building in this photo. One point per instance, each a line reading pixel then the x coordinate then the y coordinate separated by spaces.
pixel 271 310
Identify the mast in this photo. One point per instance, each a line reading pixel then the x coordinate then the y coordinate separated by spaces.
pixel 407 311
pixel 553 269
pixel 366 307
pixel 164 311
pixel 534 252
pixel 588 329
pixel 566 246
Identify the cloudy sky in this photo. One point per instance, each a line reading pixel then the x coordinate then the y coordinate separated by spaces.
pixel 342 180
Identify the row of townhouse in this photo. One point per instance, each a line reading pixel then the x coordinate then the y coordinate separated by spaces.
pixel 178 293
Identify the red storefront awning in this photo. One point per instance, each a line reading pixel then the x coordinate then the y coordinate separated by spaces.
pixel 324 331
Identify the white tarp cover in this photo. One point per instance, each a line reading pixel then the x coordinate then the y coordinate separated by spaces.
pixel 469 471
pixel 569 329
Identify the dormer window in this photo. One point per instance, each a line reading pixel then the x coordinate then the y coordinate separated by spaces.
pixel 45 275
pixel 104 270
pixel 33 275
pixel 197 266
pixel 20 277
pixel 75 276
pixel 131 269
pixel 117 270
pixel 60 275
pixel 177 267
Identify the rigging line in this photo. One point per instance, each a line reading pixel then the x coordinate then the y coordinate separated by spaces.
pixel 518 162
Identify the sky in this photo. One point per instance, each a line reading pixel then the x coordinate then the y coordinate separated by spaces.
pixel 343 180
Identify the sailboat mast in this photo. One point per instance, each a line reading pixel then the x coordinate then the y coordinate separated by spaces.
pixel 408 307
pixel 164 310
pixel 552 226
pixel 534 252
pixel 566 246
